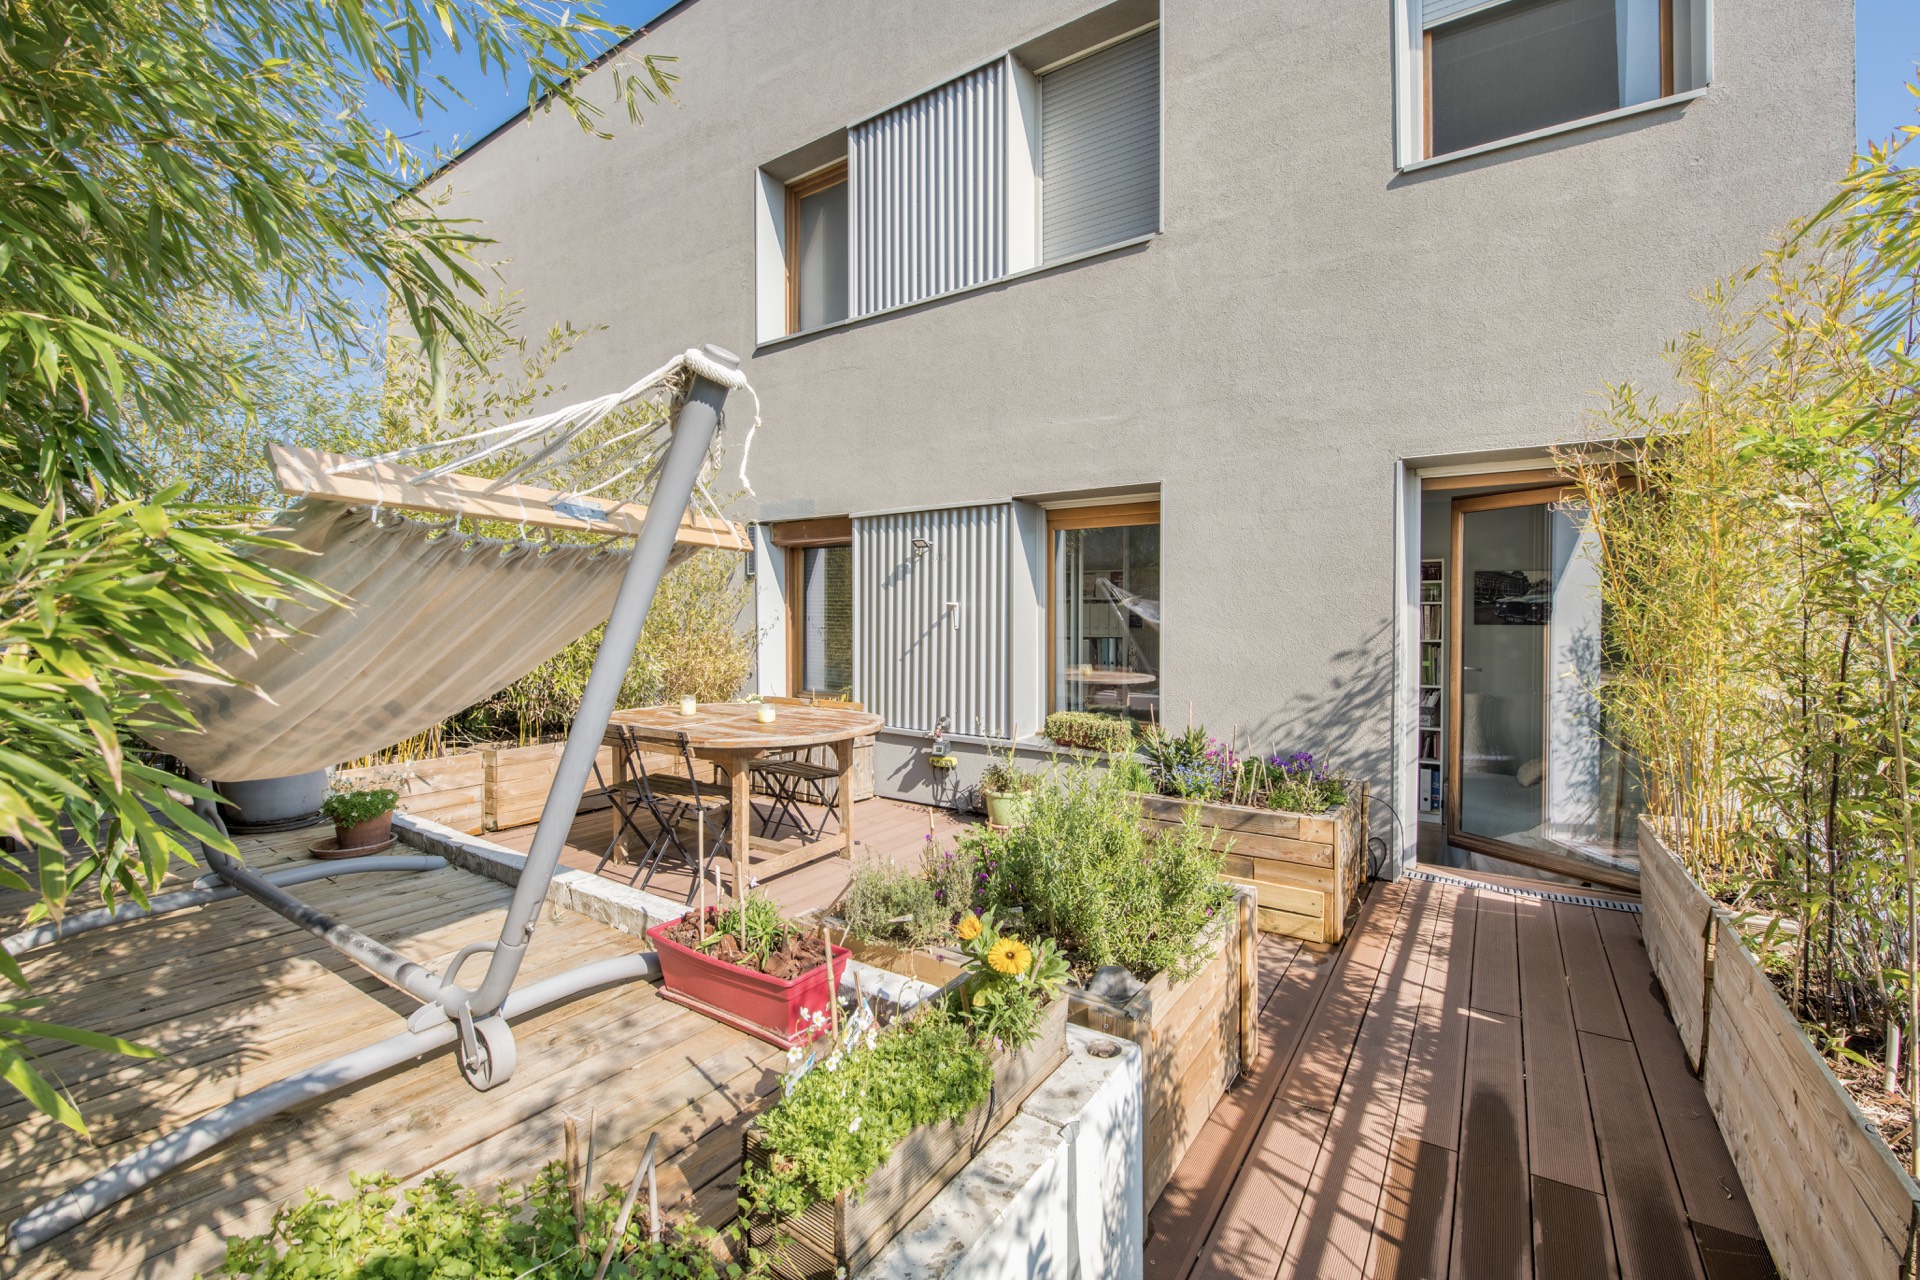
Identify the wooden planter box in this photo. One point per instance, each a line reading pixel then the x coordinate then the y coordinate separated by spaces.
pixel 519 778
pixel 449 790
pixel 1305 868
pixel 850 1229
pixel 1195 1038
pixel 935 966
pixel 1830 1198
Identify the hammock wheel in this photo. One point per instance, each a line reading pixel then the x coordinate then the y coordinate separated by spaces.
pixel 487 1054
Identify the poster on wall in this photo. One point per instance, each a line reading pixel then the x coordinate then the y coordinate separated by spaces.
pixel 1512 597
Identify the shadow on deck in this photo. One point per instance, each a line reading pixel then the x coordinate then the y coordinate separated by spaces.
pixel 1477 1084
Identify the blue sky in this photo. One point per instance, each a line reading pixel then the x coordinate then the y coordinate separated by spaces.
pixel 1887 40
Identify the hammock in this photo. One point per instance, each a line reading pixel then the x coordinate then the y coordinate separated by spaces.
pixel 434 623
pixel 431 623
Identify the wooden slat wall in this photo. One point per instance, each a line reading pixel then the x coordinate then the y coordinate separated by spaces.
pixel 449 790
pixel 1677 921
pixel 1829 1196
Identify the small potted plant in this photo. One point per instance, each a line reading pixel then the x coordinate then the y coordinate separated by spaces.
pixel 746 966
pixel 362 814
pixel 1004 789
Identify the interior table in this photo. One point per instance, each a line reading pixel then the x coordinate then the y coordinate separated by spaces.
pixel 731 735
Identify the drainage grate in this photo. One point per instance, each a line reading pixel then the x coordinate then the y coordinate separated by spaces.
pixel 1548 895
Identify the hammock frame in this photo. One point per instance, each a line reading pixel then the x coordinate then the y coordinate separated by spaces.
pixel 475 1020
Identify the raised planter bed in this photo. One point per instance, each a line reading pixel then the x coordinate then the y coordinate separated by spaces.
pixel 1195 1038
pixel 450 790
pixel 745 999
pixel 935 966
pixel 1305 869
pixel 519 778
pixel 847 1231
pixel 1830 1198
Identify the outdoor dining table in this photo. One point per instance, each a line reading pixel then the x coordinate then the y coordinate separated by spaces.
pixel 732 736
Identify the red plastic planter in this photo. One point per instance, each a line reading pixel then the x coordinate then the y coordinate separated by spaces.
pixel 742 998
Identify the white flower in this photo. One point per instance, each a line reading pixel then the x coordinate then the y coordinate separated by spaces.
pixel 794 1054
pixel 855 1126
pixel 833 1062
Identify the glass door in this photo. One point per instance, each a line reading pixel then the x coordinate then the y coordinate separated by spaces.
pixel 1531 774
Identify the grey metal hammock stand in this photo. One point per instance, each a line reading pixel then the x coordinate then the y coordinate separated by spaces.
pixel 475 1020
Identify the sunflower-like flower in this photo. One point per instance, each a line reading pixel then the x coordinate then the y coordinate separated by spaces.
pixel 969 927
pixel 1010 956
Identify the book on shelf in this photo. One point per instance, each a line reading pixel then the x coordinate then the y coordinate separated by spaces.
pixel 1430 570
pixel 1429 664
pixel 1431 622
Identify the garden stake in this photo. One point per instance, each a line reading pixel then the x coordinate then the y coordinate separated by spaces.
pixel 575 1191
pixel 833 989
pixel 1895 712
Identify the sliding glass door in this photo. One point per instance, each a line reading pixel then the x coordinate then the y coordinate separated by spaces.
pixel 1532 774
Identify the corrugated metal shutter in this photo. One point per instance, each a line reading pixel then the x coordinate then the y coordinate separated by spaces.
pixel 929 193
pixel 1100 148
pixel 1435 12
pixel 931 631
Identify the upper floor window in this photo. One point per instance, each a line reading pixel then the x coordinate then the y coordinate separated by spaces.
pixel 1490 71
pixel 817 248
pixel 1047 152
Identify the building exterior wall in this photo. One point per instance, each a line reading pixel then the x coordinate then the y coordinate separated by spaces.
pixel 1307 319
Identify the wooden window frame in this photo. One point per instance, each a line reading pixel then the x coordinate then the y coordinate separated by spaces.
pixel 804 536
pixel 1115 515
pixel 797 190
pixel 1426 70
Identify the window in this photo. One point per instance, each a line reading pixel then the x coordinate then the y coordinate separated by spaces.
pixel 1488 72
pixel 817 249
pixel 819 605
pixel 1104 632
pixel 951 189
pixel 1100 148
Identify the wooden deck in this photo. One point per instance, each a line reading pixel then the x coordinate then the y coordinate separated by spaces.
pixel 237 998
pixel 884 830
pixel 1475 1085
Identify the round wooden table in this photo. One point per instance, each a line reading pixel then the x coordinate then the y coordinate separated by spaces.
pixel 730 734
pixel 1109 676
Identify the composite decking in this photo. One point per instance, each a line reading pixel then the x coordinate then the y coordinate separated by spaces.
pixel 238 997
pixel 1477 1084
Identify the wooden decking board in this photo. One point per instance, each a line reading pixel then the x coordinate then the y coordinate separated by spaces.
pixel 1701 1163
pixel 1331 1235
pixel 1492 1215
pixel 1291 978
pixel 1649 1223
pixel 1596 1005
pixel 1246 1243
pixel 1451 1171
pixel 641 1062
pixel 1560 1143
pixel 1496 952
pixel 1571 1235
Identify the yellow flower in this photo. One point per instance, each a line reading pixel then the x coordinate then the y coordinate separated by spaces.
pixel 1010 956
pixel 969 927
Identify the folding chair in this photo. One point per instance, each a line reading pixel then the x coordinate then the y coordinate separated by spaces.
pixel 671 800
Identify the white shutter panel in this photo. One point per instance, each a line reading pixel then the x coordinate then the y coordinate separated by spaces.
pixel 1435 12
pixel 929 193
pixel 1100 148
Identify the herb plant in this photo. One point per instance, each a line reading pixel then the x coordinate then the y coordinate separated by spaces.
pixel 1090 731
pixel 756 924
pixel 440 1229
pixel 893 905
pixel 1085 873
pixel 351 805
pixel 1004 777
pixel 841 1121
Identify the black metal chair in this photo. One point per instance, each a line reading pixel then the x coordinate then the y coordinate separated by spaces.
pixel 670 800
pixel 793 782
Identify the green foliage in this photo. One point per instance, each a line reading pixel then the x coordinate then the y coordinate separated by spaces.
pixel 755 924
pixel 1005 777
pixel 845 1117
pixel 893 905
pixel 165 162
pixel 1758 550
pixel 1084 872
pixel 1193 766
pixel 350 808
pixel 440 1230
pixel 1090 731
pixel 1007 985
pixel 954 872
pixel 1180 764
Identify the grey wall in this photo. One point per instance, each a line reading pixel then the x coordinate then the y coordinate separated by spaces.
pixel 1306 318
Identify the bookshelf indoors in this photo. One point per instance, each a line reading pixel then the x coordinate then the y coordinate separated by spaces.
pixel 1433 701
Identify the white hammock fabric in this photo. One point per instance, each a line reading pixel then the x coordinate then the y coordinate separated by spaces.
pixel 431 625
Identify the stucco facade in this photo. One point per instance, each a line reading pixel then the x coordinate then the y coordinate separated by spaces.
pixel 1309 323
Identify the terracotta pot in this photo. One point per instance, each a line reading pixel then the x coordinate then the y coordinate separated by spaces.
pixel 363 835
pixel 745 999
